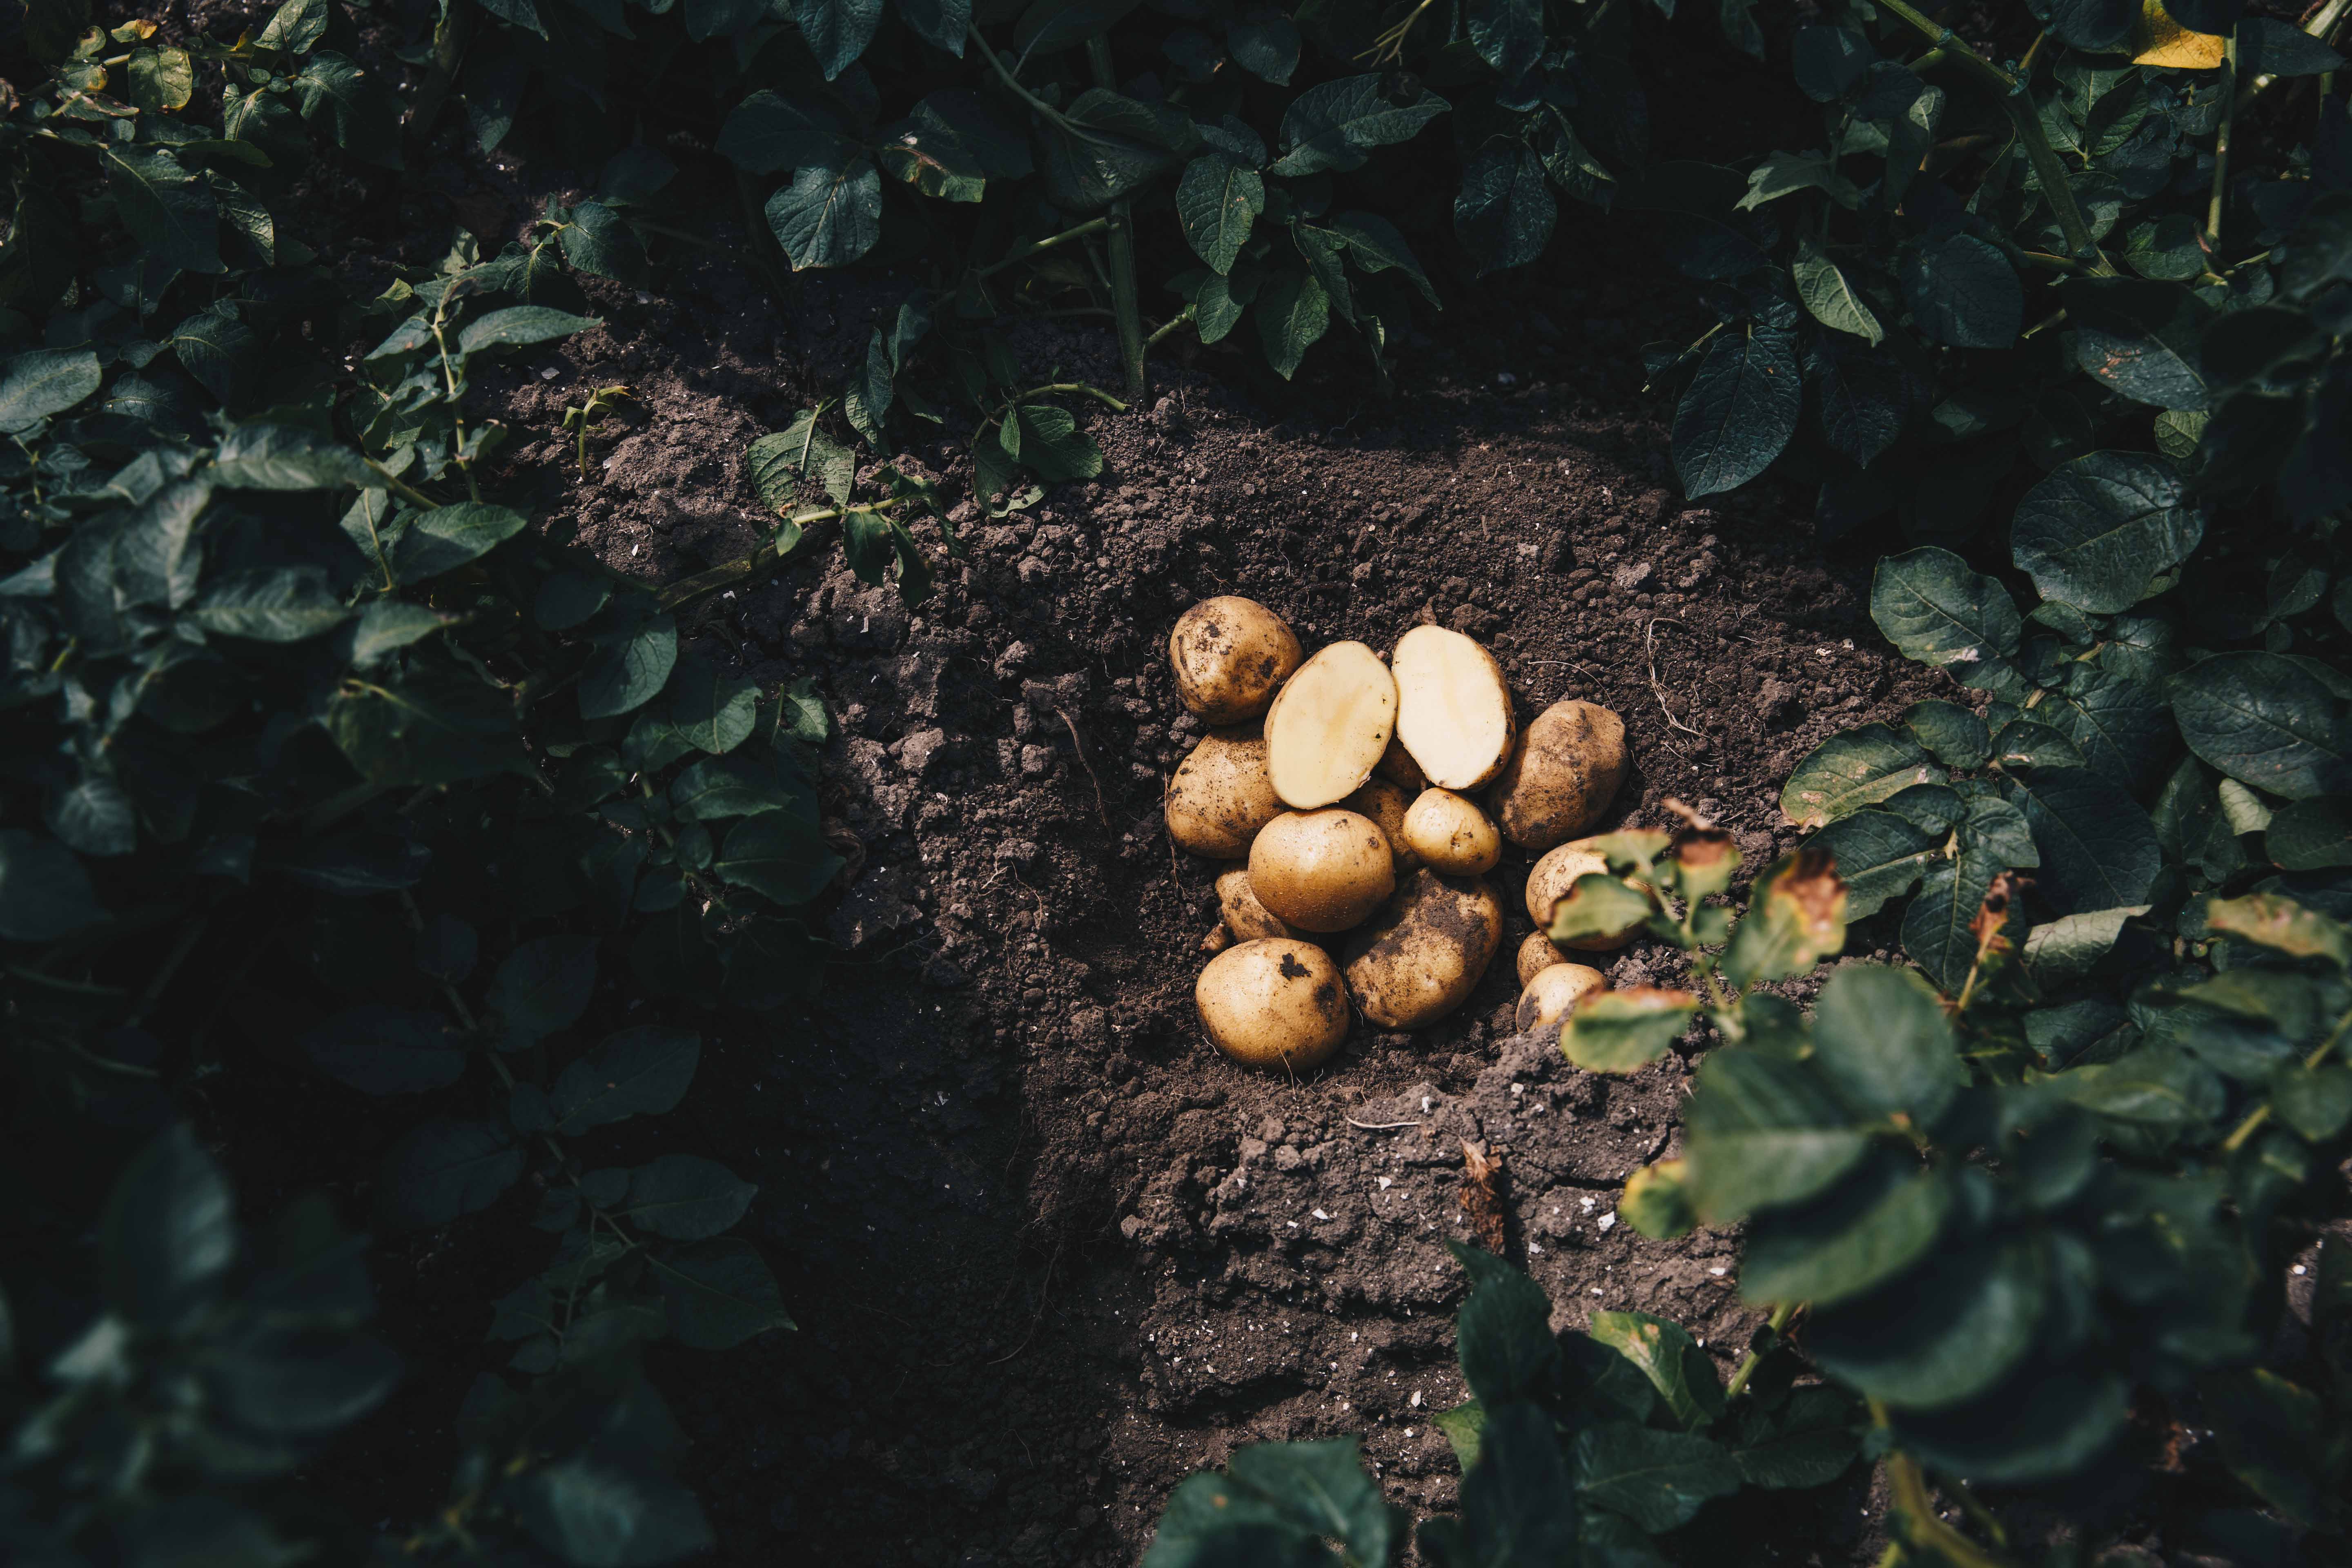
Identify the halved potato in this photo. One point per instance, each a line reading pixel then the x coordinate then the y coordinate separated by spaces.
pixel 1537 954
pixel 1555 989
pixel 1385 803
pixel 1321 870
pixel 1451 834
pixel 1247 918
pixel 1453 708
pixel 1273 1002
pixel 1220 794
pixel 1231 655
pixel 1328 725
pixel 1425 953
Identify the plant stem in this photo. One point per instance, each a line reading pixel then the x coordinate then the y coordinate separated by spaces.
pixel 401 487
pixel 1096 392
pixel 1023 253
pixel 1124 308
pixel 1005 74
pixel 1780 1316
pixel 1180 319
pixel 1925 1531
pixel 2222 144
pixel 450 37
pixel 2262 1113
pixel 2323 22
pixel 686 590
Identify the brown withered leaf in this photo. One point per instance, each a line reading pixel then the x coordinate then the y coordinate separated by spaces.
pixel 1482 1198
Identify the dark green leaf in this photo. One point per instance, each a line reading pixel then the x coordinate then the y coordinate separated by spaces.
pixel 44 381
pixel 519 325
pixel 446 1170
pixel 168 1232
pixel 1330 125
pixel 1293 315
pixel 1882 1036
pixel 269 604
pixel 1873 1228
pixel 1879 855
pixel 1217 201
pixel 631 665
pixel 386 1050
pixel 768 132
pixel 2139 337
pixel 1853 769
pixel 1833 300
pixel 715 711
pixel 830 215
pixel 2315 1101
pixel 2064 950
pixel 719 1293
pixel 45 894
pixel 599 241
pixel 2044 1422
pixel 1504 211
pixel 1945 1333
pixel 1962 292
pixel 1937 927
pixel 2309 835
pixel 1620 1031
pixel 1264 44
pixel 1518 1508
pixel 642 1072
pixel 779 854
pixel 1764 1131
pixel 1657 1479
pixel 1686 1381
pixel 1940 613
pixel 1503 1333
pixel 448 537
pixel 1806 1440
pixel 2023 744
pixel 168 211
pixel 685 1197
pixel 594 1513
pixel 2098 531
pixel 1829 61
pixel 1738 411
pixel 2099 848
pixel 1957 738
pixel 290 1383
pixel 2269 47
pixel 544 985
pixel 2266 721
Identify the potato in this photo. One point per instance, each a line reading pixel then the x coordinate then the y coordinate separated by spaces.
pixel 1272 1002
pixel 1451 834
pixel 1555 989
pixel 1549 883
pixel 1220 794
pixel 1397 766
pixel 1248 920
pixel 1563 776
pixel 1537 954
pixel 1328 725
pixel 1453 709
pixel 1385 803
pixel 1321 870
pixel 1426 951
pixel 1232 655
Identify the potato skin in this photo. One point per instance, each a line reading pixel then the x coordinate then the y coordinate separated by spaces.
pixel 1272 1002
pixel 1386 804
pixel 1556 988
pixel 1451 835
pixel 1536 954
pixel 1426 951
pixel 1321 870
pixel 1550 881
pixel 1561 779
pixel 1397 766
pixel 1231 655
pixel 1247 918
pixel 1220 795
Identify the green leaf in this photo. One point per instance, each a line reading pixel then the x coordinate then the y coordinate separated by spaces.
pixel 642 1072
pixel 2315 1101
pixel 1264 44
pixel 1619 1031
pixel 449 537
pixel 1875 1226
pixel 2269 47
pixel 2099 848
pixel 1936 928
pixel 1376 244
pixel 768 132
pixel 217 347
pixel 167 210
pixel 1597 904
pixel 95 817
pixel 2311 835
pixel 1739 410
pixel 1936 610
pixel 1518 1508
pixel 2064 950
pixel 1785 174
pixel 779 854
pixel 2139 337
pixel 1882 1036
pixel 519 325
pixel 594 1513
pixel 2266 721
pixel 1831 299
pixel 2119 722
pixel 719 1293
pixel 1463 1425
pixel 544 985
pixel 168 1236
pixel 630 667
pixel 1806 1440
pixel 2098 531
pixel 830 215
pixel 1657 1200
pixel 1852 769
pixel 1052 444
pixel 1686 1381
pixel 1828 61
pixel 2023 744
pixel 1217 201
pixel 424 732
pixel 265 604
pixel 1878 854
pixel 1957 738
pixel 1962 292
pixel 1764 1131
pixel 1504 211
pixel 1796 917
pixel 1330 125
pixel 716 712
pixel 162 81
pixel 599 241
pixel 2166 249
pixel 1293 315
pixel 386 1050
pixel 685 1197
pixel 2268 920
pixel 1945 1333
pixel 45 382
pixel 2043 1423
pixel 1658 1479
pixel 446 1170
pixel 1503 1333
pixel 45 894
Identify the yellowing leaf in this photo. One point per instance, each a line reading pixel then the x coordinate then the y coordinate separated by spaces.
pixel 2161 41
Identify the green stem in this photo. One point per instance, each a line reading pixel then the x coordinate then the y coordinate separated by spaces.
pixel 2323 22
pixel 1006 75
pixel 702 585
pixel 2311 1063
pixel 2222 144
pixel 1780 1316
pixel 1096 392
pixel 1023 253
pixel 401 487
pixel 1180 319
pixel 1125 306
pixel 449 40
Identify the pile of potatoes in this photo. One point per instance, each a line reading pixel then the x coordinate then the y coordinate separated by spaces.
pixel 1345 788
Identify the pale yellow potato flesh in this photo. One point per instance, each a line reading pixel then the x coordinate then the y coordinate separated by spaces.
pixel 1272 1002
pixel 1328 725
pixel 1453 708
pixel 1231 655
pixel 1220 795
pixel 1321 870
pixel 1386 804
pixel 1550 881
pixel 1248 920
pixel 1451 834
pixel 1536 955
pixel 1554 989
pixel 1561 776
pixel 1426 951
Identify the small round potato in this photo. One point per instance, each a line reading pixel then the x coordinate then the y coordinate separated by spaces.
pixel 1426 951
pixel 1321 870
pixel 1397 766
pixel 1550 881
pixel 1231 655
pixel 1566 771
pixel 1537 954
pixel 1555 989
pixel 1222 795
pixel 1451 834
pixel 1272 1002
pixel 1248 920
pixel 1385 803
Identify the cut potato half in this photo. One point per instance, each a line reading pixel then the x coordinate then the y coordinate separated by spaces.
pixel 1328 725
pixel 1454 709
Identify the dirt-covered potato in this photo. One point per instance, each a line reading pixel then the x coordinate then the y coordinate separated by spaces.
pixel 1328 725
pixel 1425 952
pixel 1321 870
pixel 1537 954
pixel 1385 803
pixel 1397 766
pixel 1562 776
pixel 1248 920
pixel 1451 834
pixel 1549 883
pixel 1554 989
pixel 1220 794
pixel 1453 708
pixel 1272 1002
pixel 1232 655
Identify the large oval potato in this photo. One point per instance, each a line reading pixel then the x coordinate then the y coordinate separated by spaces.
pixel 1328 725
pixel 1385 803
pixel 1550 881
pixel 1397 766
pixel 1563 776
pixel 1231 655
pixel 1554 989
pixel 1426 951
pixel 1221 794
pixel 1453 708
pixel 1536 955
pixel 1450 833
pixel 1247 918
pixel 1321 870
pixel 1272 1002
